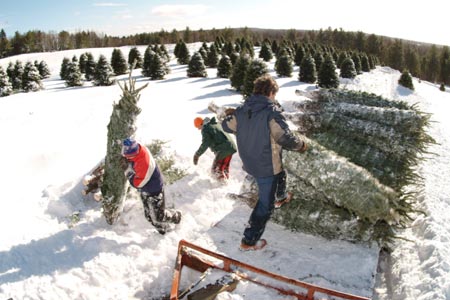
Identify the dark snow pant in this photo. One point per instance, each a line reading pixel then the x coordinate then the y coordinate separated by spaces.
pixel 155 210
pixel 267 187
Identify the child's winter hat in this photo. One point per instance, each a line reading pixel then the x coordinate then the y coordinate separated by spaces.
pixel 130 147
pixel 198 122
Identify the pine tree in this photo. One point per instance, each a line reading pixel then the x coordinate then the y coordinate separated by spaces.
pixel 318 59
pixel 118 62
pixel 31 80
pixel 83 63
pixel 395 57
pixel 17 75
pixel 164 53
pixel 406 80
pixel 238 72
pixel 299 55
pixel 308 71
pixel 224 67
pixel 255 69
pixel 43 69
pixel 63 70
pixel 90 67
pixel 73 75
pixel 327 77
pixel 357 61
pixel 196 67
pixel 134 56
pixel 157 68
pixel 103 72
pixel 212 58
pixel 283 66
pixel 148 57
pixel 10 71
pixel 183 54
pixel 266 52
pixel 5 85
pixel 341 58
pixel 348 68
pixel 121 126
pixel 365 65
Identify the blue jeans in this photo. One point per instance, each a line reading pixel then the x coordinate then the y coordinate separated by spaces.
pixel 267 187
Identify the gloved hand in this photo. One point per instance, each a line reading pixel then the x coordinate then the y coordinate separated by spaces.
pixel 229 111
pixel 196 159
pixel 303 148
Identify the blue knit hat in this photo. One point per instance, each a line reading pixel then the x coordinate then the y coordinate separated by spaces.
pixel 129 147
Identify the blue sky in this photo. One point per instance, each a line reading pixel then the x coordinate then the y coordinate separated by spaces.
pixel 420 21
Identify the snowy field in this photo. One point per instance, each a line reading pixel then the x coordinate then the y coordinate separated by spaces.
pixel 52 138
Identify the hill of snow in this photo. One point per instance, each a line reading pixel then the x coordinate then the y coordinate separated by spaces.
pixel 55 243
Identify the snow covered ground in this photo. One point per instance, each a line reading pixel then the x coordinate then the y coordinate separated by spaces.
pixel 52 138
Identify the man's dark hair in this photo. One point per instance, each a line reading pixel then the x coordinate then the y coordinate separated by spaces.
pixel 264 85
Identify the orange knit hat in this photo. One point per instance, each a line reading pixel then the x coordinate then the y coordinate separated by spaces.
pixel 198 122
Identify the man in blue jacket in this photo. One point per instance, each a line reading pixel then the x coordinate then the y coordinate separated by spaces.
pixel 261 134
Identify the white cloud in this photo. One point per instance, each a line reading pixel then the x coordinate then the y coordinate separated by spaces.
pixel 178 10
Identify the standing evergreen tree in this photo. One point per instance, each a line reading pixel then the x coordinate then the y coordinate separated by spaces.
pixel 444 61
pixel 224 67
pixel 183 54
pixel 212 58
pixel 5 85
pixel 266 52
pixel 396 57
pixel 63 69
pixel 164 53
pixel 148 57
pixel 43 69
pixel 238 72
pixel 341 58
pixel 31 80
pixel 157 67
pixel 103 72
pixel 118 62
pixel 196 67
pixel 17 75
pixel 5 46
pixel 308 71
pixel 283 66
pixel 255 69
pixel 357 61
pixel 348 69
pixel 73 75
pixel 121 126
pixel 406 80
pixel 83 63
pixel 365 65
pixel 90 67
pixel 10 71
pixel 432 67
pixel 318 59
pixel 327 77
pixel 134 56
pixel 299 55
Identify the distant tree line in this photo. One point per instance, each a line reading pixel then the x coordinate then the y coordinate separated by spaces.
pixel 425 61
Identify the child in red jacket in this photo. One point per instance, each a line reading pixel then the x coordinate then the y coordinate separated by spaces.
pixel 143 174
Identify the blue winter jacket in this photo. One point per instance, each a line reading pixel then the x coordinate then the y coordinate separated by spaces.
pixel 261 133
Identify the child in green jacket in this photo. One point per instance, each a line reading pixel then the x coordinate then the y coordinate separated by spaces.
pixel 220 143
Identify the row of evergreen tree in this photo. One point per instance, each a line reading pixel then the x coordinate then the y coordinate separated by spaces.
pixel 19 78
pixel 239 65
pixel 428 62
